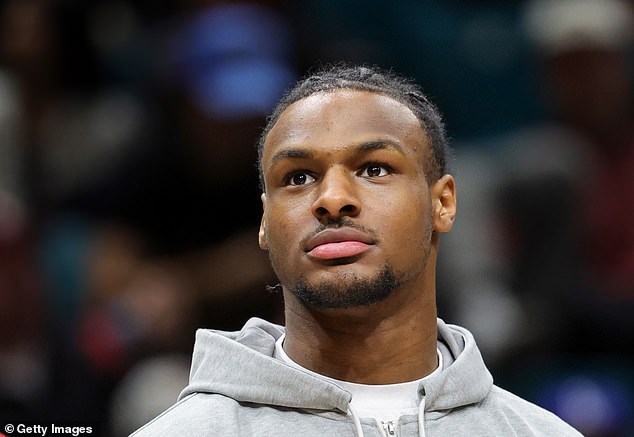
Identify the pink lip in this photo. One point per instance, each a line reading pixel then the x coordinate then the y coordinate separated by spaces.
pixel 338 243
pixel 342 249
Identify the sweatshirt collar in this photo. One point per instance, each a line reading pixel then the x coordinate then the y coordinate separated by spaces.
pixel 240 365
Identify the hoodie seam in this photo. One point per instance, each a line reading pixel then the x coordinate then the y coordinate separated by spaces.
pixel 341 417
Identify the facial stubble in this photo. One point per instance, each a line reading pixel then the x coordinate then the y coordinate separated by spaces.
pixel 348 290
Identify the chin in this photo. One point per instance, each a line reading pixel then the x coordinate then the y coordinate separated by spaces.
pixel 346 290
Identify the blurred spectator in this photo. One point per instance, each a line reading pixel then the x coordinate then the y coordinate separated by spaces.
pixel 127 151
pixel 588 76
pixel 556 198
pixel 23 362
pixel 65 131
pixel 570 202
pixel 69 130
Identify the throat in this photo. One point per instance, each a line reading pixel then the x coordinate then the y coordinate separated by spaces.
pixel 379 355
pixel 390 341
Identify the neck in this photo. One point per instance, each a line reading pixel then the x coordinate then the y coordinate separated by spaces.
pixel 387 342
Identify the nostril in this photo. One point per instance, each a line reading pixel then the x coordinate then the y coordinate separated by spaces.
pixel 321 211
pixel 348 209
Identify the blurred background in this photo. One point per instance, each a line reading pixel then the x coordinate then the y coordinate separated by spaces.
pixel 129 201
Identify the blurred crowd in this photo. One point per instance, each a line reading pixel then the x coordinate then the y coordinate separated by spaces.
pixel 129 198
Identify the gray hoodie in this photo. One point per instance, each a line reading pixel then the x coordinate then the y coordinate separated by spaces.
pixel 237 388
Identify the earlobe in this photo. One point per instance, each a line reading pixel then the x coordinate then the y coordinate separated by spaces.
pixel 262 232
pixel 444 203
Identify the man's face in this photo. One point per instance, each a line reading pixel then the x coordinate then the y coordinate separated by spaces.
pixel 347 208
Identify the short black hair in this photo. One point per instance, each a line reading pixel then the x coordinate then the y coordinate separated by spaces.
pixel 376 80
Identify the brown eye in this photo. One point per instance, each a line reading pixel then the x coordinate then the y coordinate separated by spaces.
pixel 300 179
pixel 375 170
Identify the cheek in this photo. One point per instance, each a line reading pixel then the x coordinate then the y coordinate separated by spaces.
pixel 412 226
pixel 407 224
pixel 284 233
pixel 275 238
pixel 283 227
pixel 273 230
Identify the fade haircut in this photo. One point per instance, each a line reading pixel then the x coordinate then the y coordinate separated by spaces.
pixel 376 80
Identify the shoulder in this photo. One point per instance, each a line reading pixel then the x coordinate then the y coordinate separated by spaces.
pixel 526 416
pixel 211 414
pixel 194 415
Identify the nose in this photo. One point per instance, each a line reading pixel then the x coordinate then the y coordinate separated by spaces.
pixel 337 197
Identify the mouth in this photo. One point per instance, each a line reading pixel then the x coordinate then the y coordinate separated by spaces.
pixel 339 243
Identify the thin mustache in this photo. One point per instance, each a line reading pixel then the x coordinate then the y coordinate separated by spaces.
pixel 337 225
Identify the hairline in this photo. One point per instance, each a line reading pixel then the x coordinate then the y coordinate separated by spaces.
pixel 430 167
pixel 394 86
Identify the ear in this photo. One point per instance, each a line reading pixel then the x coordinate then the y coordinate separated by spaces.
pixel 443 195
pixel 262 232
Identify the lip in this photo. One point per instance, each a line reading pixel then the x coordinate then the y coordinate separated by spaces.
pixel 338 243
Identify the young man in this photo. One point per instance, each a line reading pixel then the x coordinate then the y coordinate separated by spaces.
pixel 355 196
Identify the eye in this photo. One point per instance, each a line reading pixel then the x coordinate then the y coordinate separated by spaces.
pixel 299 178
pixel 375 170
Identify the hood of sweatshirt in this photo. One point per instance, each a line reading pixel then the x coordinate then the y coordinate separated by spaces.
pixel 240 365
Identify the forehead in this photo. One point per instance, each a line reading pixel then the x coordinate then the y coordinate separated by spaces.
pixel 345 117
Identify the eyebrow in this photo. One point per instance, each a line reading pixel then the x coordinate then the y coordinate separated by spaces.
pixel 380 145
pixel 290 154
pixel 366 147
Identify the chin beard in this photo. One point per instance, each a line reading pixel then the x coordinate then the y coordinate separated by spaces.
pixel 347 292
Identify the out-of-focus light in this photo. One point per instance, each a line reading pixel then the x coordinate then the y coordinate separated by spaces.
pixel 594 405
pixel 234 60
